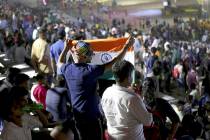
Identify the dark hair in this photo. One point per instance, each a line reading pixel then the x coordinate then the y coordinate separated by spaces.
pixel 3 95
pixel 60 81
pixel 146 43
pixel 61 33
pixel 188 121
pixel 20 78
pixel 11 73
pixel 121 70
pixel 153 50
pixel 186 137
pixel 10 99
pixel 42 30
pixel 39 77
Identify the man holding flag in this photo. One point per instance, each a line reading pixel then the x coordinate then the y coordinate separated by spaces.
pixel 81 78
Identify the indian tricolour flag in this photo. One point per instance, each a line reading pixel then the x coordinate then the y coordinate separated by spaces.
pixel 107 49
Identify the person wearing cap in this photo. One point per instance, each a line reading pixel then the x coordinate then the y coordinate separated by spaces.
pixel 55 51
pixel 81 78
pixel 40 55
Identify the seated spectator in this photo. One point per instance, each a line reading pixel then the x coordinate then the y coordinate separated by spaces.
pixel 161 110
pixel 17 124
pixel 189 127
pixel 8 82
pixel 6 85
pixel 21 80
pixel 57 99
pixel 124 110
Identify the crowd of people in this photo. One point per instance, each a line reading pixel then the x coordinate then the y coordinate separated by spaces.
pixel 64 95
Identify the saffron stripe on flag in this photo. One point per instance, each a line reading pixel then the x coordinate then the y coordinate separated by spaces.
pixel 103 45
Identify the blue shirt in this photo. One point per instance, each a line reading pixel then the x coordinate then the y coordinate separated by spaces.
pixel 55 51
pixel 81 79
pixel 149 64
pixel 29 33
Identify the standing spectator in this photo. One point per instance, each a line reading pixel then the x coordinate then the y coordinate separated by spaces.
pixel 29 33
pixel 35 33
pixel 40 58
pixel 192 77
pixel 81 79
pixel 9 44
pixel 55 51
pixel 124 110
pixel 20 51
pixel 150 61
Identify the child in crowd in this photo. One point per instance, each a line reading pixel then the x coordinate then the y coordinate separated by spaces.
pixel 39 91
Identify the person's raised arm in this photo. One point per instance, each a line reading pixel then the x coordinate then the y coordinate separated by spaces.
pixel 61 59
pixel 128 44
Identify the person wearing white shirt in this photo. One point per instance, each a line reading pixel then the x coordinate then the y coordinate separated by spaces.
pixel 124 110
pixel 17 124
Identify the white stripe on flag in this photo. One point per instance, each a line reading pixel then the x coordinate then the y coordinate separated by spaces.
pixel 105 57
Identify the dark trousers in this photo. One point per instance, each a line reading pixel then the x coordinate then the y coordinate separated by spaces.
pixel 89 130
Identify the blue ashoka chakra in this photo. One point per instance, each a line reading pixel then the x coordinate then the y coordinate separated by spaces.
pixel 105 57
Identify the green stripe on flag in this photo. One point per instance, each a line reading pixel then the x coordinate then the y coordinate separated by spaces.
pixel 107 76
